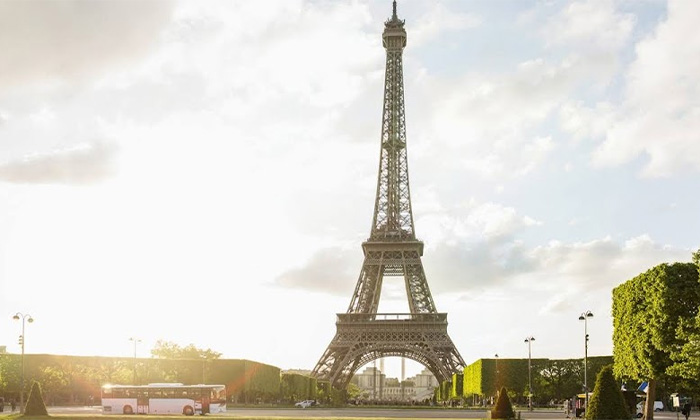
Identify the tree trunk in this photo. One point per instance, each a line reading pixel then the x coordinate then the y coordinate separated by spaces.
pixel 651 397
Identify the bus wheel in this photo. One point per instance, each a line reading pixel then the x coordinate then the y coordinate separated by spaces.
pixel 188 411
pixel 128 409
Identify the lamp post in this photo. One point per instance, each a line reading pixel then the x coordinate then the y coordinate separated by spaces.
pixel 529 341
pixel 136 341
pixel 584 317
pixel 28 318
pixel 497 375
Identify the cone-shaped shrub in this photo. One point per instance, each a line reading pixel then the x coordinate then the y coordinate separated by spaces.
pixel 607 401
pixel 35 403
pixel 503 408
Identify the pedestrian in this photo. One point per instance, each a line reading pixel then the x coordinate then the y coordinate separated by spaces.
pixel 13 404
pixel 686 410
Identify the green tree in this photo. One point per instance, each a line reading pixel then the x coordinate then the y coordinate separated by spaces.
pixel 170 350
pixel 55 382
pixel 607 401
pixel 647 311
pixel 687 357
pixel 10 373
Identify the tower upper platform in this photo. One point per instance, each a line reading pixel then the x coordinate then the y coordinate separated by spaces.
pixel 394 35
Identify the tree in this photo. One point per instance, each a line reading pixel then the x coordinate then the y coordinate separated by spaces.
pixel 687 357
pixel 647 311
pixel 170 350
pixel 559 379
pixel 55 381
pixel 35 403
pixel 607 401
pixel 10 373
pixel 503 408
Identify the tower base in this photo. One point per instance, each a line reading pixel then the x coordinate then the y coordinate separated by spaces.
pixel 362 338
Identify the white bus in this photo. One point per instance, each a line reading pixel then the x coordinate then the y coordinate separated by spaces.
pixel 163 399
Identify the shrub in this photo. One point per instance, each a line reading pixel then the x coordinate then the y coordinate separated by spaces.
pixel 607 401
pixel 503 408
pixel 35 402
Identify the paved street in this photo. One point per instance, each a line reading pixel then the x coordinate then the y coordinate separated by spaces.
pixel 366 412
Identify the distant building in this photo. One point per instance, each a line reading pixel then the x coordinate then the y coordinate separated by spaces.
pixel 377 386
pixel 371 381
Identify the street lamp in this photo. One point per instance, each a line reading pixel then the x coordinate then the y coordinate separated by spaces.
pixel 584 317
pixel 529 341
pixel 136 341
pixel 497 375
pixel 27 318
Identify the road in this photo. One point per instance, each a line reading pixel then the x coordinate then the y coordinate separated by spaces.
pixel 368 412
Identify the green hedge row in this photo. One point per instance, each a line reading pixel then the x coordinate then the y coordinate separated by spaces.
pixel 551 379
pixel 77 379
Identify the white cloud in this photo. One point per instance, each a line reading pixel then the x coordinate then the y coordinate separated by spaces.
pixel 660 116
pixel 465 245
pixel 437 21
pixel 54 40
pixel 590 24
pixel 330 270
pixel 565 270
pixel 584 122
pixel 84 164
pixel 493 121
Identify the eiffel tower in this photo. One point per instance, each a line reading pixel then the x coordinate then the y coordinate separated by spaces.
pixel 363 335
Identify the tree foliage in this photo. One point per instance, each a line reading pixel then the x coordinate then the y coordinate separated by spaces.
pixel 295 387
pixel 485 376
pixel 686 358
pixel 552 379
pixel 647 311
pixel 607 401
pixel 457 388
pixel 77 379
pixel 169 350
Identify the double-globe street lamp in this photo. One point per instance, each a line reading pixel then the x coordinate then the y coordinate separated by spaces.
pixel 584 317
pixel 529 341
pixel 136 341
pixel 28 318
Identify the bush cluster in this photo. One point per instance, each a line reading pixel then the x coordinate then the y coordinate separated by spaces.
pixel 503 408
pixel 35 403
pixel 607 401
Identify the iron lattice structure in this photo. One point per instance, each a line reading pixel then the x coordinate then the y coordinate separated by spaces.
pixel 363 334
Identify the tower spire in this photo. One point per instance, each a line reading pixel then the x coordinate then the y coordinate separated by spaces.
pixel 394 20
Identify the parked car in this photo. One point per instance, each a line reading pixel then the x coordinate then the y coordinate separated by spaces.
pixel 658 406
pixel 305 403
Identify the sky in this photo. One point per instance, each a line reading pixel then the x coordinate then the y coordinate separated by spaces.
pixel 204 172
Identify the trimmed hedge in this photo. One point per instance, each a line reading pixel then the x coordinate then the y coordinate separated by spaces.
pixel 607 401
pixel 503 408
pixel 35 403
